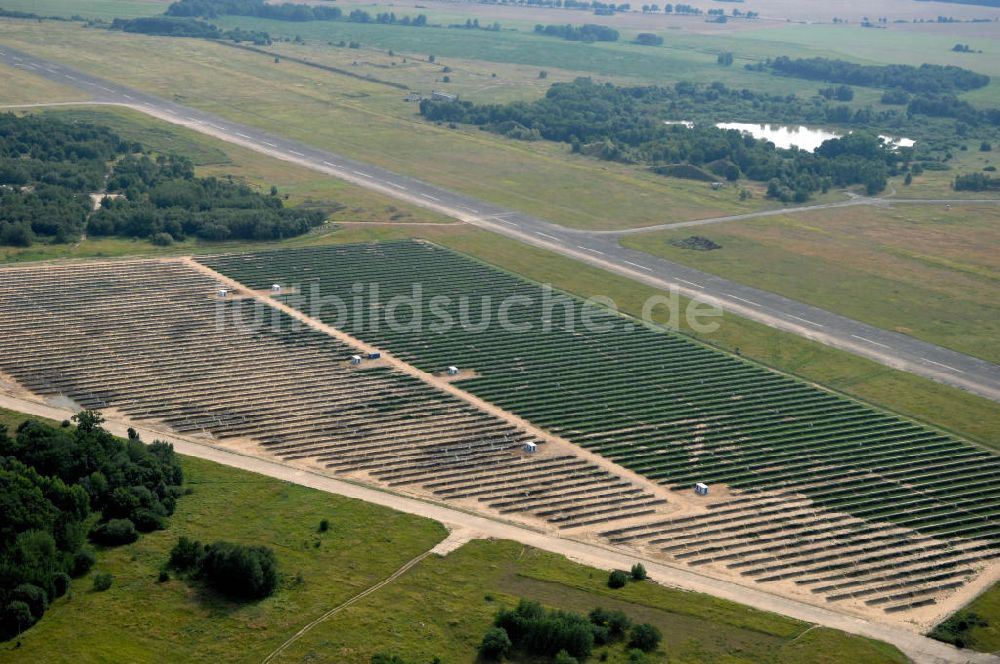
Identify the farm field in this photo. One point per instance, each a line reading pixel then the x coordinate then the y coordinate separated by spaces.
pixel 800 462
pixel 926 271
pixel 369 121
pixel 355 553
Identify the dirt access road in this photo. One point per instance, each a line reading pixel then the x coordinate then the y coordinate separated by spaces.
pixel 465 526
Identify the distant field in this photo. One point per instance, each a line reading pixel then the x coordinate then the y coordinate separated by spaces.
pixel 89 8
pixel 930 272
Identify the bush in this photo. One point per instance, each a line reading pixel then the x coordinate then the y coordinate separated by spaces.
pixel 60 584
pixel 102 581
pixel 164 576
pixel 324 525
pixel 563 657
pixel 83 560
pixel 115 532
pixel 36 598
pixel 615 622
pixel 645 637
pixel 16 618
pixel 162 239
pixel 536 631
pixel 495 645
pixel 186 554
pixel 617 579
pixel 639 572
pixel 239 571
pixel 955 630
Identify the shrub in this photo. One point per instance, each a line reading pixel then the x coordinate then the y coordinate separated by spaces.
pixel 60 584
pixel 324 525
pixel 563 657
pixel 617 579
pixel 383 658
pixel 539 632
pixel 164 576
pixel 645 637
pixel 83 560
pixel 244 572
pixel 186 553
pixel 162 239
pixel 16 618
pixel 102 581
pixel 639 572
pixel 615 622
pixel 495 644
pixel 955 630
pixel 115 532
pixel 36 598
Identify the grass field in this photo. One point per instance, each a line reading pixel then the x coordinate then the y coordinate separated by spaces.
pixel 926 271
pixel 20 86
pixel 142 620
pixel 470 585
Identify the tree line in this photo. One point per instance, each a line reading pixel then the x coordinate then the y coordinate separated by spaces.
pixel 588 32
pixel 923 79
pixel 171 26
pixel 49 168
pixel 61 485
pixel 284 12
pixel 627 124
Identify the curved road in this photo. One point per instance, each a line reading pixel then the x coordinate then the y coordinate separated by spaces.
pixel 594 247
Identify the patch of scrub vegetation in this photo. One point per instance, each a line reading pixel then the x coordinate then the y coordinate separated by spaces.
pixel 145 613
pixel 977 626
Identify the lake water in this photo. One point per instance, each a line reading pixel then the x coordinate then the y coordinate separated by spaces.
pixel 785 136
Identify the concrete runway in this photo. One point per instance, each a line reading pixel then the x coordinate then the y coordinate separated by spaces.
pixel 599 248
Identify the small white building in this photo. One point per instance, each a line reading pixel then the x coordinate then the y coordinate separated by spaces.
pixel 355 359
pixel 701 489
pixel 275 288
pixel 530 447
pixel 452 371
pixel 223 292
